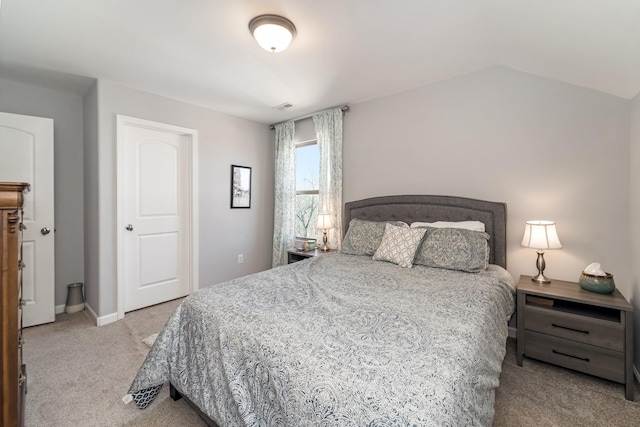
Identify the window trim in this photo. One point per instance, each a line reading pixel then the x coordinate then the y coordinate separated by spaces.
pixel 307 142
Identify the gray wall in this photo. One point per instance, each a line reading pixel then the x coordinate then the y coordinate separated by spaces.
pixel 66 111
pixel 223 232
pixel 634 234
pixel 548 149
pixel 91 205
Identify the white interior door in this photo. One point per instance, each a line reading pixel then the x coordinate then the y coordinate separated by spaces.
pixel 26 155
pixel 155 213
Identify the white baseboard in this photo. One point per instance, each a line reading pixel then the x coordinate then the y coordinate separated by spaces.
pixel 92 313
pixel 102 320
pixel 60 309
pixel 105 320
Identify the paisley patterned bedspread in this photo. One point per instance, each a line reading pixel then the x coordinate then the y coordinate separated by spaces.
pixel 338 340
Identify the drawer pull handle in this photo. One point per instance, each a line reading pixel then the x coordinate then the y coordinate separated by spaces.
pixel 570 329
pixel 586 359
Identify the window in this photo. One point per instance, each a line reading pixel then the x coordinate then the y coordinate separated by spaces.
pixel 307 185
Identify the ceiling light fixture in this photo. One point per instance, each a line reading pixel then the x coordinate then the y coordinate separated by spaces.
pixel 272 32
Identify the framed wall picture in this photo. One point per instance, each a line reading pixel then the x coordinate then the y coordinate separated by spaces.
pixel 240 187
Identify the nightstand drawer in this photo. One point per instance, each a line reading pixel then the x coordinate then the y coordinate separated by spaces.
pixel 574 355
pixel 584 329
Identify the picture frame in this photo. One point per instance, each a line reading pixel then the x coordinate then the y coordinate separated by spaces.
pixel 240 187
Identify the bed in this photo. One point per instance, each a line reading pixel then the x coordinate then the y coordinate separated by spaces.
pixel 344 339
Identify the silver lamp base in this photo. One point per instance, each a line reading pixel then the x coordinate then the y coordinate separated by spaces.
pixel 325 247
pixel 541 278
pixel 540 264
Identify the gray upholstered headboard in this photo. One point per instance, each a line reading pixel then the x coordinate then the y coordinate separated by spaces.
pixel 437 208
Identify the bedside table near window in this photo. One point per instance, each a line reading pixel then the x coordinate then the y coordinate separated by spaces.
pixel 563 324
pixel 296 255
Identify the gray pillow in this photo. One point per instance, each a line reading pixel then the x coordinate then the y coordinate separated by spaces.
pixel 363 237
pixel 454 249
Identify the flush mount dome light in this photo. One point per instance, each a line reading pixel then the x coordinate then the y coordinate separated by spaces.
pixel 272 32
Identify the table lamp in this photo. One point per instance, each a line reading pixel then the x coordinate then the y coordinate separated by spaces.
pixel 541 235
pixel 324 222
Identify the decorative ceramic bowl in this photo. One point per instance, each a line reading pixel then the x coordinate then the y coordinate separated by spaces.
pixel 599 284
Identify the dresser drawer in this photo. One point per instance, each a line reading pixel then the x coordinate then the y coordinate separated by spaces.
pixel 580 328
pixel 581 357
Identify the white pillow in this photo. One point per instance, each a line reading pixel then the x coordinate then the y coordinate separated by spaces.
pixel 399 245
pixel 467 225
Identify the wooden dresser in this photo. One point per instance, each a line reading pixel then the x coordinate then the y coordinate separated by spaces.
pixel 12 372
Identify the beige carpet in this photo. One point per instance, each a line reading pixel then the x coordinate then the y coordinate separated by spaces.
pixel 78 374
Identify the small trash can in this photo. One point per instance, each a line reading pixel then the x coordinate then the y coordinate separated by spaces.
pixel 75 298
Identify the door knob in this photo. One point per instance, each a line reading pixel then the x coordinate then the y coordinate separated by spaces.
pixel 45 231
pixel 129 227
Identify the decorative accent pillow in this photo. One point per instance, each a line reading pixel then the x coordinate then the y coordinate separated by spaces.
pixel 363 237
pixel 399 245
pixel 454 249
pixel 469 225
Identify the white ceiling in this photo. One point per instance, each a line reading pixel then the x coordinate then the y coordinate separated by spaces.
pixel 346 51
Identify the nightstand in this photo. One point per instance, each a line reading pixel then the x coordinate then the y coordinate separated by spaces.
pixel 296 255
pixel 563 324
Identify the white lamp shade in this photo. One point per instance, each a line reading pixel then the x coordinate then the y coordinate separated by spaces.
pixel 273 33
pixel 324 221
pixel 541 235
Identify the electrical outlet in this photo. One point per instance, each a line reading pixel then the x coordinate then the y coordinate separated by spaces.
pixel 240 258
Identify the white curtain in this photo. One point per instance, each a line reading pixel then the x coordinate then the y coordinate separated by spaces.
pixel 328 126
pixel 285 193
